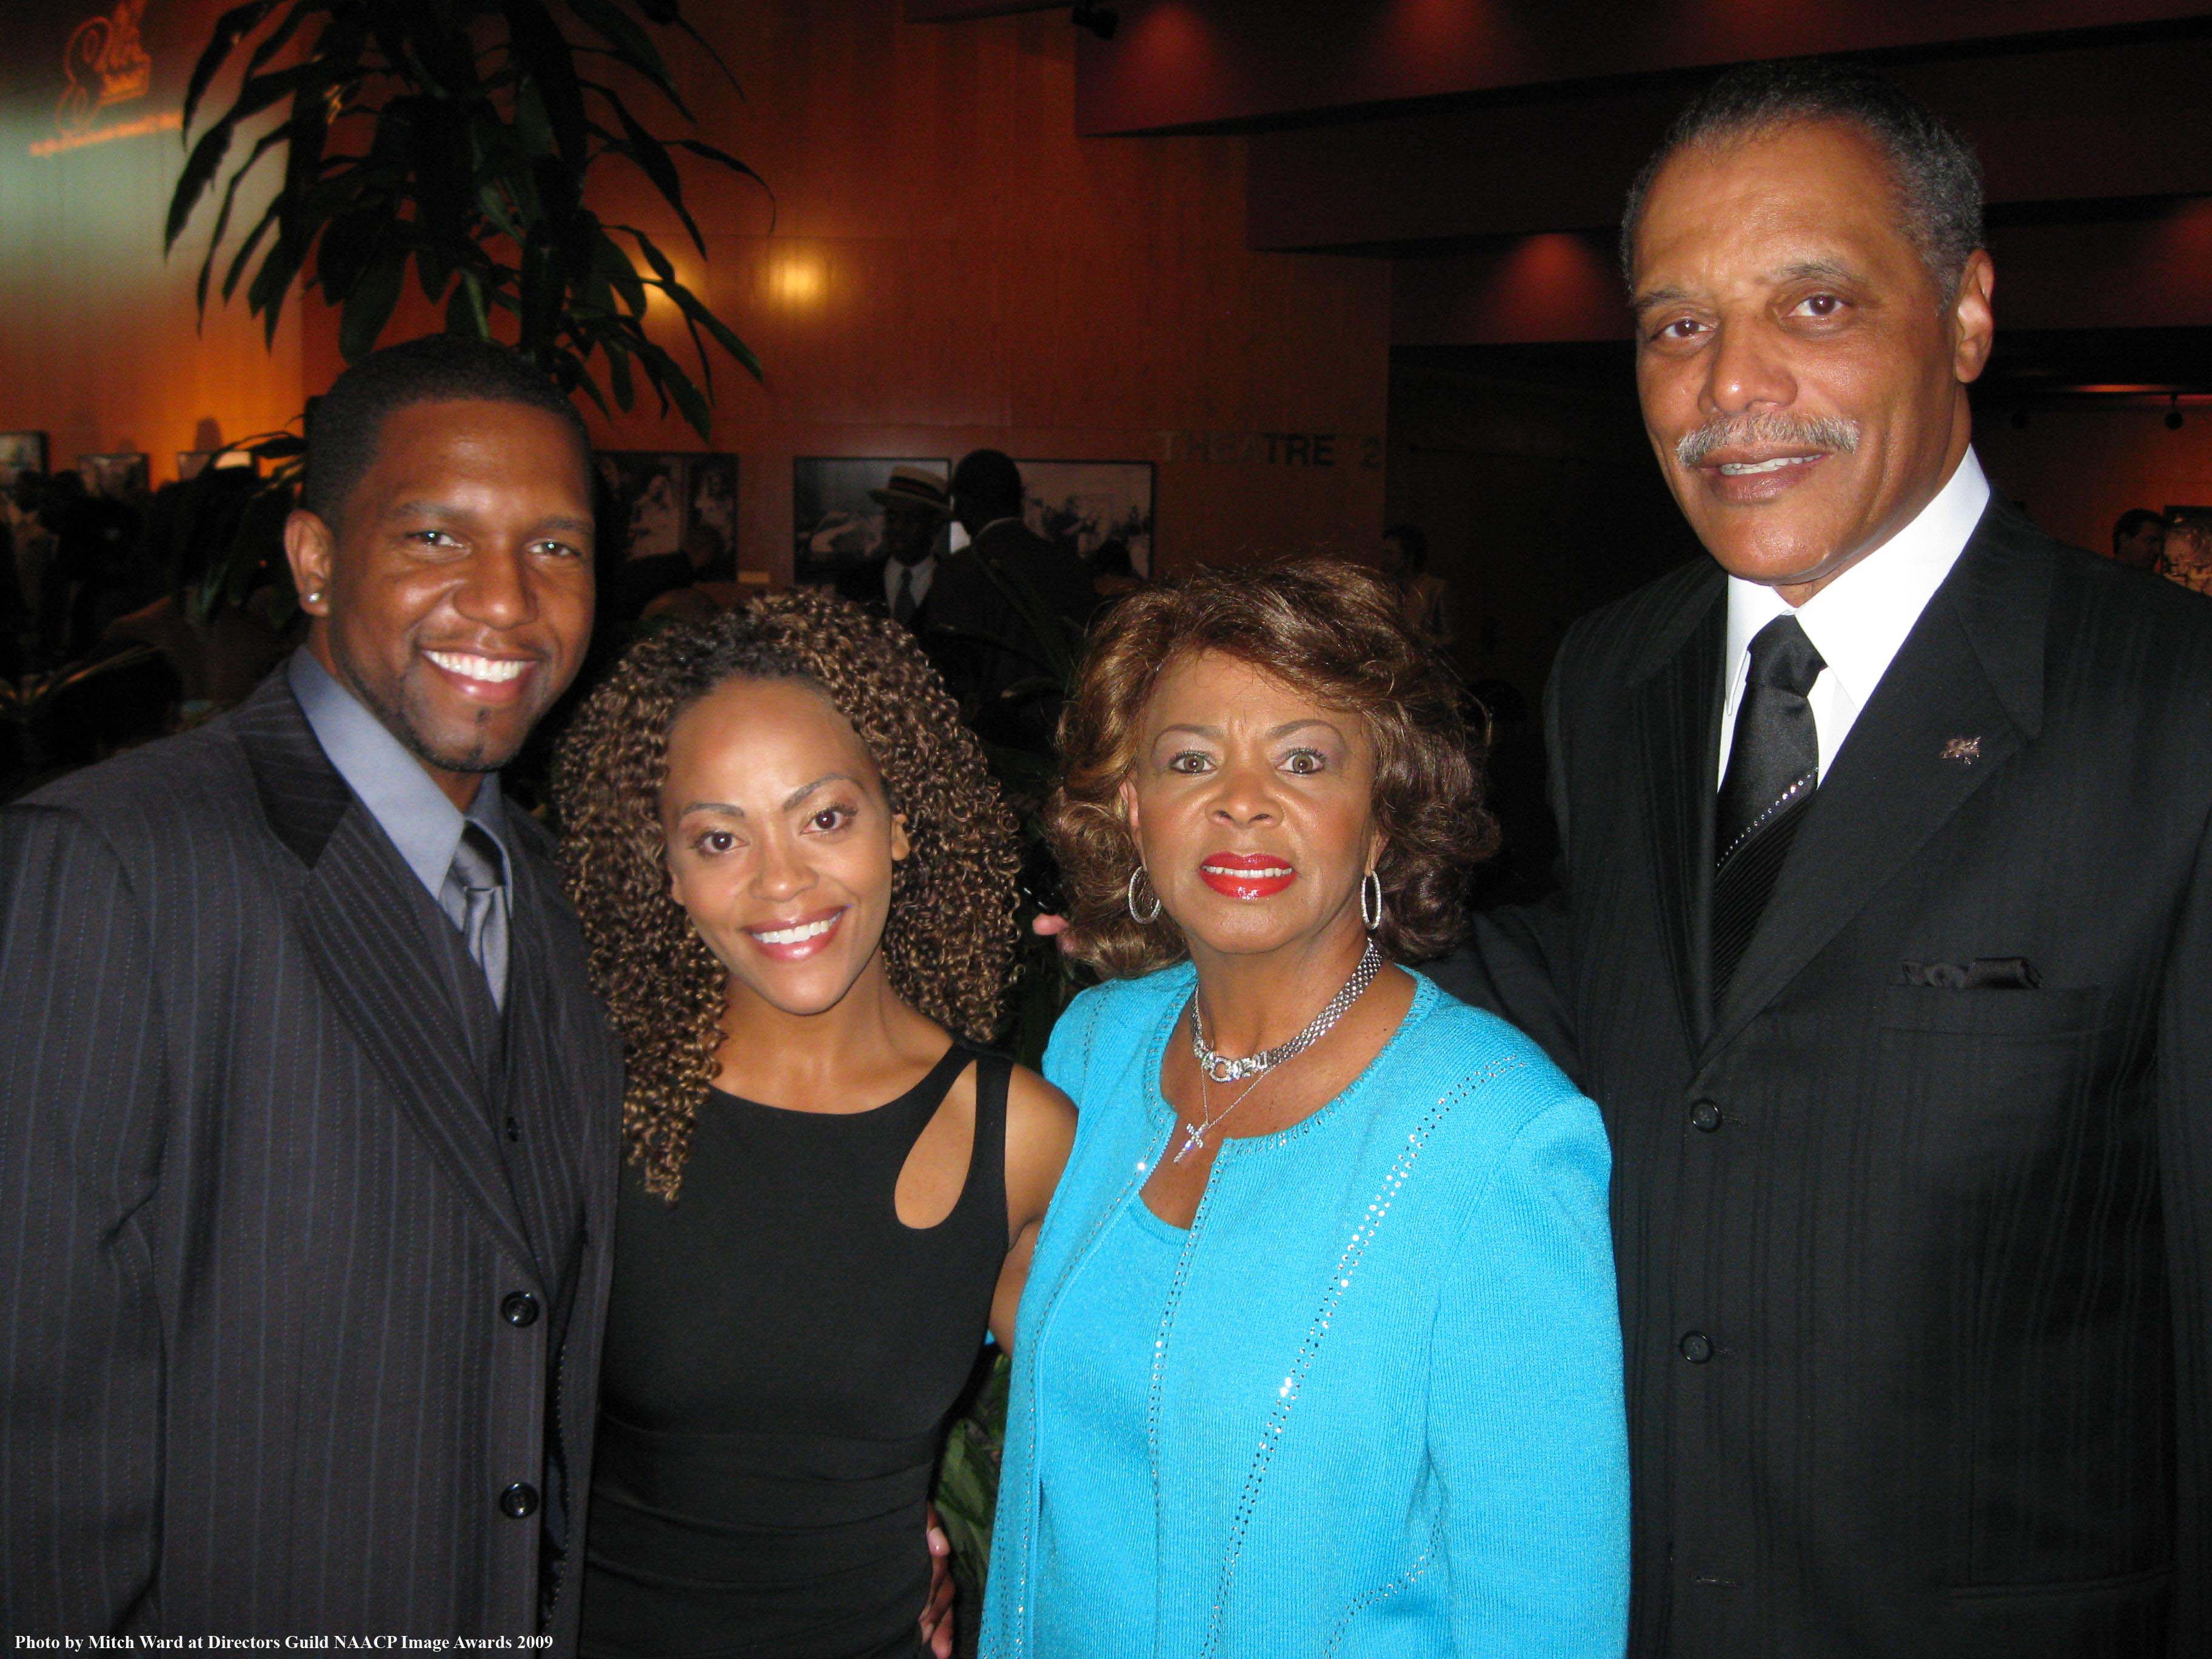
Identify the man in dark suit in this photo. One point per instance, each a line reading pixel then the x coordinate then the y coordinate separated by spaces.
pixel 1006 602
pixel 899 580
pixel 308 1114
pixel 1886 946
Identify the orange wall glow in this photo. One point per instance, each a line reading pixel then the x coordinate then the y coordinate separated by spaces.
pixel 100 347
pixel 944 265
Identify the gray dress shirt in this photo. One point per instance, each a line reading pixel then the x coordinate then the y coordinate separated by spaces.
pixel 424 824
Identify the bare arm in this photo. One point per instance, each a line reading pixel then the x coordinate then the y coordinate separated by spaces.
pixel 1040 1129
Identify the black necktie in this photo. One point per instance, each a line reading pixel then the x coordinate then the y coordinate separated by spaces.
pixel 904 607
pixel 1774 766
pixel 475 897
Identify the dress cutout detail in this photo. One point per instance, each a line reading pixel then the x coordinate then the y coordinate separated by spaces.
pixel 782 1354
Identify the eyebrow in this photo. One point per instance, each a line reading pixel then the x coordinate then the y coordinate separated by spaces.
pixel 1803 268
pixel 1284 730
pixel 1797 272
pixel 1657 297
pixel 789 800
pixel 806 789
pixel 566 524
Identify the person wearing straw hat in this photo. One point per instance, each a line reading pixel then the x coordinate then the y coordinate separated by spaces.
pixel 916 506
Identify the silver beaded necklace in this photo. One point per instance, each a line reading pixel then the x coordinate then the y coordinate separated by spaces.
pixel 1220 1068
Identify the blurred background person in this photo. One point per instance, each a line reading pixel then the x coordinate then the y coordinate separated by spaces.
pixel 2138 539
pixel 898 581
pixel 1422 593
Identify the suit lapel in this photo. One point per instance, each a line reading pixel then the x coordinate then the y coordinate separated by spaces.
pixel 1963 695
pixel 363 915
pixel 549 1076
pixel 1676 714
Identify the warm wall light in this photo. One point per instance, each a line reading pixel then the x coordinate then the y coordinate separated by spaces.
pixel 796 282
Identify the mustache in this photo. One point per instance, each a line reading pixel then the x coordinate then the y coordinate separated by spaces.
pixel 1830 433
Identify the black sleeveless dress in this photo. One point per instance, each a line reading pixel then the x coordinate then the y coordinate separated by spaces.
pixel 782 1354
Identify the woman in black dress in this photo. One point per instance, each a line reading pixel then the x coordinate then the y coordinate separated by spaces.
pixel 796 879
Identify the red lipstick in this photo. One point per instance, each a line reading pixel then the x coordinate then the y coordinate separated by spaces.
pixel 1247 875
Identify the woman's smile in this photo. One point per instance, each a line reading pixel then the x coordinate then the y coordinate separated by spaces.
pixel 1247 875
pixel 796 940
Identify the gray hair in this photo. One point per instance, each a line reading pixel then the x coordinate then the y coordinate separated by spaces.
pixel 1938 181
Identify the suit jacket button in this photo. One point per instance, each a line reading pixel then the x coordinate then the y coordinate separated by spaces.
pixel 520 1501
pixel 1697 1348
pixel 1706 1115
pixel 519 1308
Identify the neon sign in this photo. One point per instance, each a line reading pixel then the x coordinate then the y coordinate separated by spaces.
pixel 104 64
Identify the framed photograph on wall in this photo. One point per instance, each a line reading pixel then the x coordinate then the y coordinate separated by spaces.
pixel 117 475
pixel 1095 507
pixel 835 523
pixel 662 498
pixel 20 452
pixel 2188 556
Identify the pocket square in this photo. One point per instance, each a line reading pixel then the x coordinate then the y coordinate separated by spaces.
pixel 1983 973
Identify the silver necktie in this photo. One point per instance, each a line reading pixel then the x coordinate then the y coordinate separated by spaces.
pixel 475 897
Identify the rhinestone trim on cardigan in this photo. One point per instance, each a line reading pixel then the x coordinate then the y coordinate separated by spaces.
pixel 1286 1398
pixel 1406 1580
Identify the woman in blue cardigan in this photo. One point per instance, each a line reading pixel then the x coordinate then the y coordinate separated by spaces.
pixel 1320 1353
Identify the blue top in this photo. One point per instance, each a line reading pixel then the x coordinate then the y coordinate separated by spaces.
pixel 1103 1337
pixel 1382 1388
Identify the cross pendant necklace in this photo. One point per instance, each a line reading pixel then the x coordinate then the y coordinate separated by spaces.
pixel 1195 1134
pixel 1260 1067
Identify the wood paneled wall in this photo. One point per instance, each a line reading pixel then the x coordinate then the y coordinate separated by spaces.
pixel 950 266
pixel 945 266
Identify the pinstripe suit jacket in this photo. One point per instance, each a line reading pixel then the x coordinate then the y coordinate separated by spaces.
pixel 262 1216
pixel 1946 1251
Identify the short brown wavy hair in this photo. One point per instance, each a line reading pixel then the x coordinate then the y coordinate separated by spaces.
pixel 950 940
pixel 1335 632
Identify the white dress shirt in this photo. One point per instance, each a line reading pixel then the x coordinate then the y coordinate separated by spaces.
pixel 925 572
pixel 1857 622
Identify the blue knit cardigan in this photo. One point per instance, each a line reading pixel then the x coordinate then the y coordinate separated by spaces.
pixel 1387 1414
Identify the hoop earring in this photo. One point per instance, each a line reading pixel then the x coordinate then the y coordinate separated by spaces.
pixel 1374 919
pixel 1141 921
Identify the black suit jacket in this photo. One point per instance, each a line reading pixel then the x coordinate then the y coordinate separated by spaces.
pixel 266 1363
pixel 863 584
pixel 1915 1265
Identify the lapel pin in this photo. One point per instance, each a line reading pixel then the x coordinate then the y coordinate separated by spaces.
pixel 1964 750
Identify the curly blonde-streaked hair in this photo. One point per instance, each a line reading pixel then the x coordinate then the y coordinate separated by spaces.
pixel 950 938
pixel 1333 631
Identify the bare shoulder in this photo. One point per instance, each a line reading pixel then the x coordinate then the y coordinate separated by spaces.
pixel 1040 1130
pixel 1037 1112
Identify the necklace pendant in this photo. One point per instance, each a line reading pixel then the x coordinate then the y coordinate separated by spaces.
pixel 1193 1138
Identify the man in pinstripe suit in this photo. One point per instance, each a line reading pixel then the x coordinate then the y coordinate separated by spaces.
pixel 1885 948
pixel 308 1114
